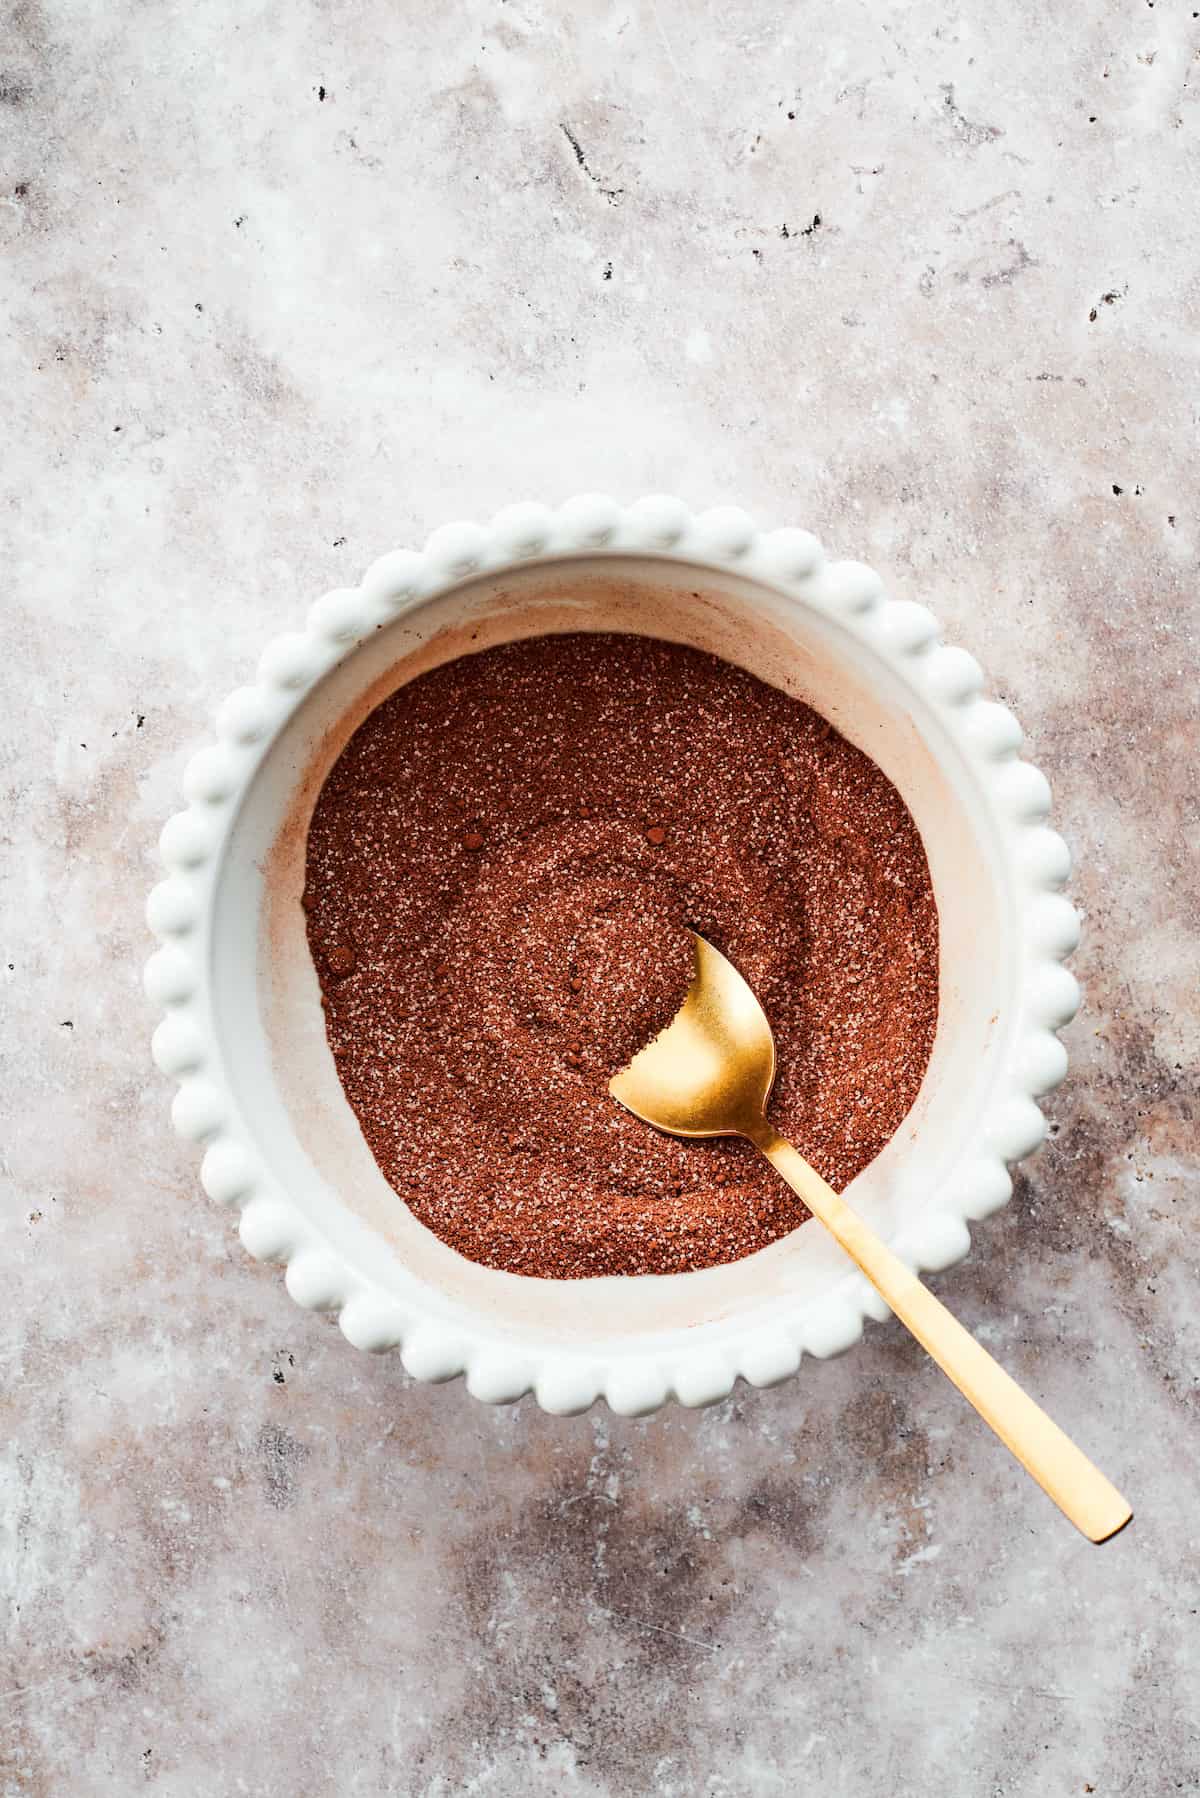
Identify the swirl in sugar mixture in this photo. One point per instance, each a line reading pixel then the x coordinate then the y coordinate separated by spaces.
pixel 500 867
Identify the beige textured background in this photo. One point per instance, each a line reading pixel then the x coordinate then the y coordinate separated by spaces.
pixel 253 336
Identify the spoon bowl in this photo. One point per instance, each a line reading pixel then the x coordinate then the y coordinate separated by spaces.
pixel 710 1072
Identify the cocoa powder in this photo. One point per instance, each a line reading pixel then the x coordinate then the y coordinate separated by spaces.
pixel 500 869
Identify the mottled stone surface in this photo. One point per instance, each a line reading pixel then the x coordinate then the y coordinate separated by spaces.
pixel 286 286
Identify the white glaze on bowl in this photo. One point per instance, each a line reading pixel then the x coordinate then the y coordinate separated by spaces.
pixel 243 1032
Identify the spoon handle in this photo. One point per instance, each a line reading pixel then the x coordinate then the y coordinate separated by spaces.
pixel 1063 1471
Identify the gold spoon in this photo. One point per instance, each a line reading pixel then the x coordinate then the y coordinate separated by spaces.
pixel 709 1073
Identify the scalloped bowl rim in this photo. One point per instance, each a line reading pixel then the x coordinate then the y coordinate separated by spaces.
pixel 636 1378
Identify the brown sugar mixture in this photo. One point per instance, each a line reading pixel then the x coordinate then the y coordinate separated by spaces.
pixel 501 866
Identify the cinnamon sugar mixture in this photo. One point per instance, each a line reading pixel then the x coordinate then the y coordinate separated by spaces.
pixel 500 868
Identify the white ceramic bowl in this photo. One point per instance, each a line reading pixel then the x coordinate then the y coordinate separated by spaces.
pixel 243 1032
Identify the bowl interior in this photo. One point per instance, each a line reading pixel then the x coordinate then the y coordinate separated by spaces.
pixel 269 1023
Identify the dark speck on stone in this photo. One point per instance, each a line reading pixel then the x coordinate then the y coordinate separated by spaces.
pixel 1117 489
pixel 282 1459
pixel 320 93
